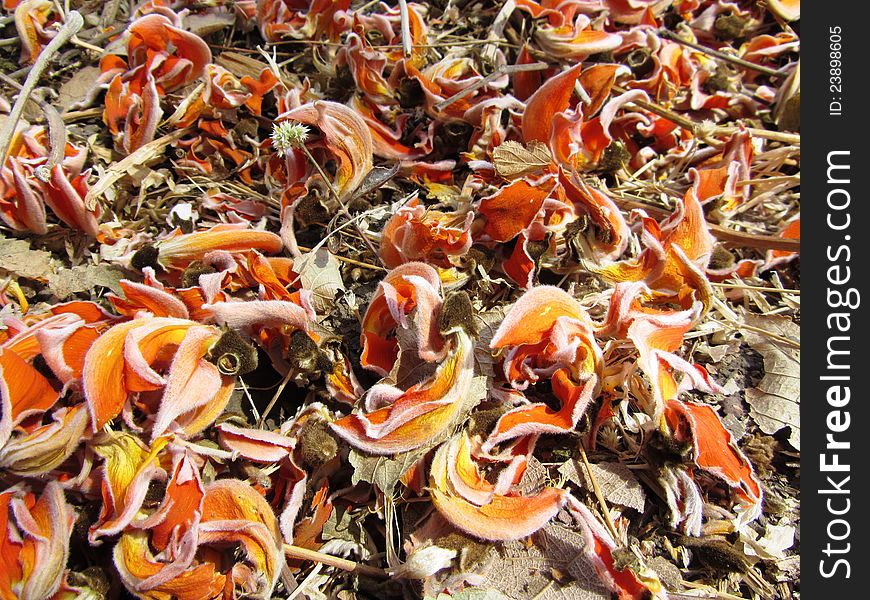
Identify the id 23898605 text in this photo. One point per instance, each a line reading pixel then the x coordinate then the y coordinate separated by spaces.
pixel 835 70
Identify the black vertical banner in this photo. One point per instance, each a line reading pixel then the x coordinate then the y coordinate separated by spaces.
pixel 835 248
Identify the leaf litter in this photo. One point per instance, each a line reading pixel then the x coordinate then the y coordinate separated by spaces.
pixel 354 299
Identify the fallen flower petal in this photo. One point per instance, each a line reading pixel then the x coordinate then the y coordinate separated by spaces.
pixel 415 416
pixel 716 452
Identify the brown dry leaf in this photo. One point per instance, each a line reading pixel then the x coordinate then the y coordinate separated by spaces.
pixel 775 402
pixel 17 258
pixel 523 572
pixel 204 24
pixel 512 160
pixel 67 282
pixel 80 90
pixel 320 273
pixel 617 482
pixel 471 594
pixel 131 164
pixel 383 471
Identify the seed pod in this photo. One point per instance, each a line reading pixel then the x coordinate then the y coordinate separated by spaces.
pixel 233 355
pixel 190 276
pixel 146 256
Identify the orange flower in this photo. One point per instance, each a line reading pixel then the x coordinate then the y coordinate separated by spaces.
pixel 128 468
pixel 547 333
pixel 480 511
pixel 32 20
pixel 34 542
pixel 716 452
pixel 24 191
pixel 345 134
pixel 398 420
pixel 151 354
pixel 179 250
pixel 677 253
pixel 512 209
pixel 406 288
pixel 416 233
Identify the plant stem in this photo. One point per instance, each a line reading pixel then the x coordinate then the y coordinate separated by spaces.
pixel 73 24
pixel 333 561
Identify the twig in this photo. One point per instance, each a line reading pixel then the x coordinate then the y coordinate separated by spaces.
pixel 755 288
pixel 350 261
pixel 57 139
pixel 499 72
pixel 73 24
pixel 334 561
pixel 721 55
pixel 688 124
pixel 341 205
pixel 274 399
pixel 75 115
pixel 598 495
pixel 725 234
pixel 699 130
pixel 406 28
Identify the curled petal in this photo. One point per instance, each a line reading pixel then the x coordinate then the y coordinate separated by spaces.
pixel 139 296
pixel 128 469
pixel 612 235
pixel 194 386
pixel 346 135
pixel 64 349
pixel 551 98
pixel 106 377
pixel 24 391
pixel 599 548
pixel 539 418
pixel 505 517
pixel 492 516
pixel 417 233
pixel 157 33
pixel 177 252
pixel 34 542
pixel 406 288
pixel 144 575
pixel 261 313
pixel 532 317
pixel 512 209
pixel 716 452
pixel 416 416
pixel 181 504
pixel 47 446
pixel 233 512
pixel 255 444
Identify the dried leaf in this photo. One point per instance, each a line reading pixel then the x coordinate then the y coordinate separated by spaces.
pixel 132 163
pixel 617 482
pixel 532 571
pixel 383 471
pixel 472 594
pixel 512 160
pixel 17 258
pixel 79 90
pixel 775 402
pixel 67 282
pixel 320 273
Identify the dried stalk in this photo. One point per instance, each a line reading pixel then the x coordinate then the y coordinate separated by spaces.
pixel 73 24
pixel 334 561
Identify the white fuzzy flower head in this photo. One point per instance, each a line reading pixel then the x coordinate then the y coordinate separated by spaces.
pixel 287 135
